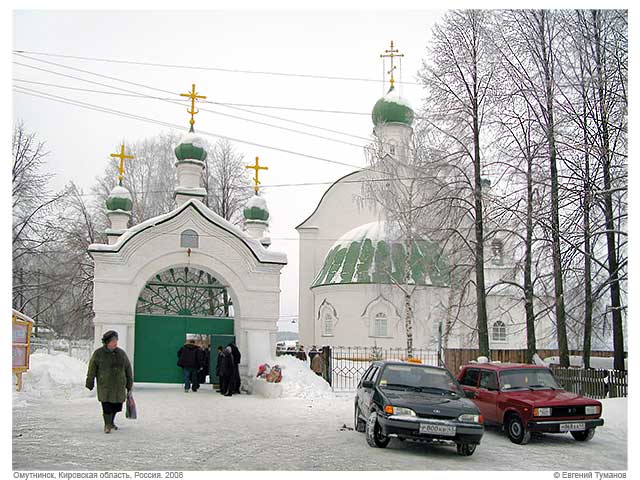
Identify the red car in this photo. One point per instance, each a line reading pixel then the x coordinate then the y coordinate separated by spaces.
pixel 527 398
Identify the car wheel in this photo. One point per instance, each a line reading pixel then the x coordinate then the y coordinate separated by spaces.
pixel 358 423
pixel 375 438
pixel 466 449
pixel 516 431
pixel 584 436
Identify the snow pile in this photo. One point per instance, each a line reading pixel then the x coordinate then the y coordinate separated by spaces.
pixel 53 377
pixel 614 412
pixel 605 363
pixel 299 381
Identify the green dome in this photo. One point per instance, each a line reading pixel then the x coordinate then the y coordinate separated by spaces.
pixel 256 209
pixel 189 148
pixel 392 108
pixel 119 199
pixel 366 254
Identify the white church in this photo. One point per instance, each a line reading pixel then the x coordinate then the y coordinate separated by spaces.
pixel 346 295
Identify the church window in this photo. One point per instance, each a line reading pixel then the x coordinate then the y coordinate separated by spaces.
pixel 327 325
pixel 392 149
pixel 380 325
pixel 189 239
pixel 497 254
pixel 499 332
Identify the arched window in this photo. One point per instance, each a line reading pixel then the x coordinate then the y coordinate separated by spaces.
pixel 327 317
pixel 497 252
pixel 499 332
pixel 189 239
pixel 327 325
pixel 380 325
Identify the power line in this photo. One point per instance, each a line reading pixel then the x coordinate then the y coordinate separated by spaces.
pixel 218 69
pixel 89 106
pixel 178 102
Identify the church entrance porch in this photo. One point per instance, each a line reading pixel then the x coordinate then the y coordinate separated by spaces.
pixel 175 305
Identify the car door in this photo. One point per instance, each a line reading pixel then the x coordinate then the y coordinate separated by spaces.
pixel 367 393
pixel 487 395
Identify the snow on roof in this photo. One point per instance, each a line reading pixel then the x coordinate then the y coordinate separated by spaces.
pixel 257 201
pixel 120 192
pixel 261 253
pixel 394 96
pixel 193 139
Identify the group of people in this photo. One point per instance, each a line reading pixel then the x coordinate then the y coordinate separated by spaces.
pixel 315 357
pixel 195 364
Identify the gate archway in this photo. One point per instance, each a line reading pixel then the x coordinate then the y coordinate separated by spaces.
pixel 173 304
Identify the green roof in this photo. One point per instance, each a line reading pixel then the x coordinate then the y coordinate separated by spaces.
pixel 392 109
pixel 366 254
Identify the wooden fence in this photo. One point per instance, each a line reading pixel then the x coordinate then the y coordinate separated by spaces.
pixel 454 358
pixel 593 383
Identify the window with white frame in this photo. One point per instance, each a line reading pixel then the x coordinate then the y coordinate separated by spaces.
pixel 380 327
pixel 328 318
pixel 497 252
pixel 327 324
pixel 499 332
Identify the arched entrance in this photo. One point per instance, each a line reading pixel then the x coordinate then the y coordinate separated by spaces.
pixel 176 303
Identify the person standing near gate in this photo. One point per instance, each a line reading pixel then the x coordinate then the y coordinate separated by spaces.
pixel 227 367
pixel 111 367
pixel 235 380
pixel 189 357
pixel 316 363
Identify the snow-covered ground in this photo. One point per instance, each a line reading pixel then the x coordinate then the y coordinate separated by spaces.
pixel 62 430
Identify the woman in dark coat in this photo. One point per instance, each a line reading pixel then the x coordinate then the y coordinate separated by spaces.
pixel 235 379
pixel 110 365
pixel 227 367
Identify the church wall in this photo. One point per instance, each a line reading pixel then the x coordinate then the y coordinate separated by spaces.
pixel 356 306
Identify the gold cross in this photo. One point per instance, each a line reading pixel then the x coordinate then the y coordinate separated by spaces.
pixel 391 53
pixel 256 168
pixel 192 95
pixel 121 156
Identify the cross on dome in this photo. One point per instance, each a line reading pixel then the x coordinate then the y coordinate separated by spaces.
pixel 121 156
pixel 192 95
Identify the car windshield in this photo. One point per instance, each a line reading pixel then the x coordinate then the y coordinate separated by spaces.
pixel 529 378
pixel 419 378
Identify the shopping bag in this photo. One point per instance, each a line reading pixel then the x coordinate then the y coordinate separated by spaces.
pixel 131 411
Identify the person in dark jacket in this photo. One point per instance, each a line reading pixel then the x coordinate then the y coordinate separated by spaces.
pixel 235 379
pixel 300 354
pixel 110 366
pixel 227 367
pixel 189 358
pixel 204 365
pixel 219 371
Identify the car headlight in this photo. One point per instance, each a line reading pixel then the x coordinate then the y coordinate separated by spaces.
pixel 406 412
pixel 542 412
pixel 592 410
pixel 470 418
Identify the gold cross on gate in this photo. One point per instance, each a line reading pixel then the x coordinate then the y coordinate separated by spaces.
pixel 121 156
pixel 256 168
pixel 391 53
pixel 192 95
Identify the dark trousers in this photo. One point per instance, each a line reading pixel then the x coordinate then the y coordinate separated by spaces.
pixel 225 384
pixel 190 376
pixel 110 407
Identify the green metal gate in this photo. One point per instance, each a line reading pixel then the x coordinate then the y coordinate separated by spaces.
pixel 177 302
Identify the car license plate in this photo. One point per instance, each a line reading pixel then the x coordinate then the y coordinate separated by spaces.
pixel 445 430
pixel 568 427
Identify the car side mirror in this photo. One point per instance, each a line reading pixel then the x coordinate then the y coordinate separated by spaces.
pixel 367 384
pixel 469 394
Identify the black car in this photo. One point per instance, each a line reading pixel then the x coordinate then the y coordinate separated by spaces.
pixel 416 402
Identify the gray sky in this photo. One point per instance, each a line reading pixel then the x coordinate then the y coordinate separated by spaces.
pixel 323 43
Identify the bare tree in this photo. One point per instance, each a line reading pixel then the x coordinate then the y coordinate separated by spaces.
pixel 227 181
pixel 459 80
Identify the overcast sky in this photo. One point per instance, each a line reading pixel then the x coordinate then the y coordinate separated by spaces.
pixel 317 43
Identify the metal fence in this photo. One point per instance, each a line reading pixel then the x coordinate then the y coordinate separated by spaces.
pixel 593 383
pixel 346 365
pixel 79 349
